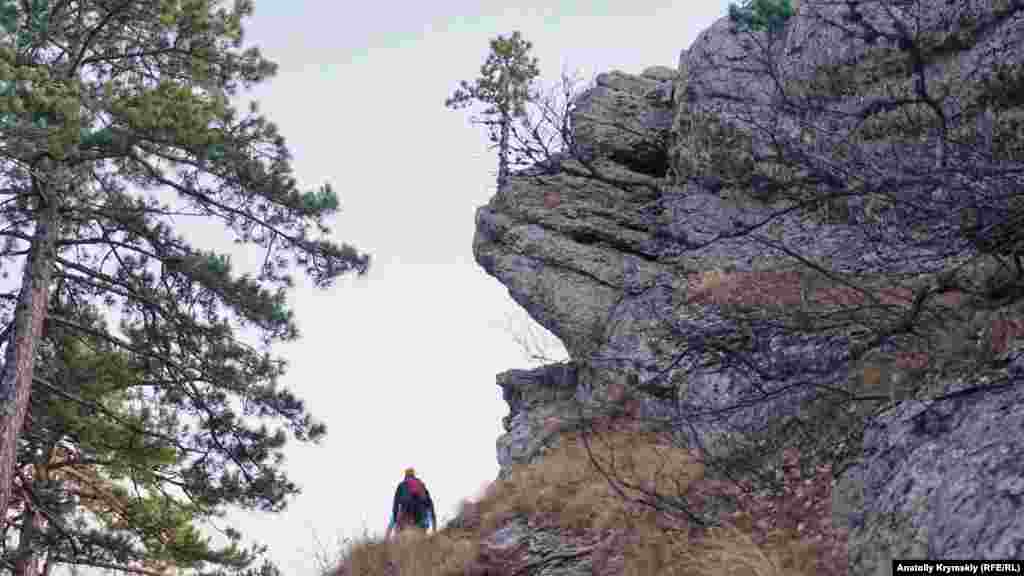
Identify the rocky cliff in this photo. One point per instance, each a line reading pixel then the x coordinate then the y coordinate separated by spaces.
pixel 613 253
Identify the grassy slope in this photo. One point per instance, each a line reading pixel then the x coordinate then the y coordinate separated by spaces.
pixel 790 534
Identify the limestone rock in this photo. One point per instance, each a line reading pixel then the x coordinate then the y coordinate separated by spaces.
pixel 613 268
pixel 521 547
pixel 660 73
pixel 526 389
pixel 717 80
pixel 567 264
pixel 541 404
pixel 942 479
pixel 531 433
pixel 626 118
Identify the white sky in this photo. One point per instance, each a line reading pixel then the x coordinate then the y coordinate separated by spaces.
pixel 401 364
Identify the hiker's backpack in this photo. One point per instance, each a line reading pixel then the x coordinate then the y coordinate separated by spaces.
pixel 414 500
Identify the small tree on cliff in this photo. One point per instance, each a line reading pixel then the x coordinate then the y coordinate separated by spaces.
pixel 505 88
pixel 761 15
pixel 103 118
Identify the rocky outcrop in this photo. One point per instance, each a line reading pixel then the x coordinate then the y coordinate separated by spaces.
pixel 541 402
pixel 616 267
pixel 605 266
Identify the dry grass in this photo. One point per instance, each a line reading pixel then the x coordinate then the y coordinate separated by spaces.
pixel 787 535
pixel 566 490
pixel 409 554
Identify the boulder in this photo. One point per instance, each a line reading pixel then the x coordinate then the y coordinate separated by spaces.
pixel 626 118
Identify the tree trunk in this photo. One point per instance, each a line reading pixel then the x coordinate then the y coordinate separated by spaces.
pixel 506 120
pixel 31 558
pixel 19 360
pixel 26 561
pixel 503 153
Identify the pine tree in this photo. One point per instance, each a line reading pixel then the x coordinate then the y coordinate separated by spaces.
pixel 504 86
pixel 103 471
pixel 761 15
pixel 108 111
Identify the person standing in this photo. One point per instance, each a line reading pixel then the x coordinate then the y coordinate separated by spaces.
pixel 412 505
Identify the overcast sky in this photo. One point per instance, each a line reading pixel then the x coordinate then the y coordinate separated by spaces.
pixel 401 364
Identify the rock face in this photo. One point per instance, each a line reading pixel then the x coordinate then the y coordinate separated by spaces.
pixel 609 267
pixel 539 401
pixel 942 479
